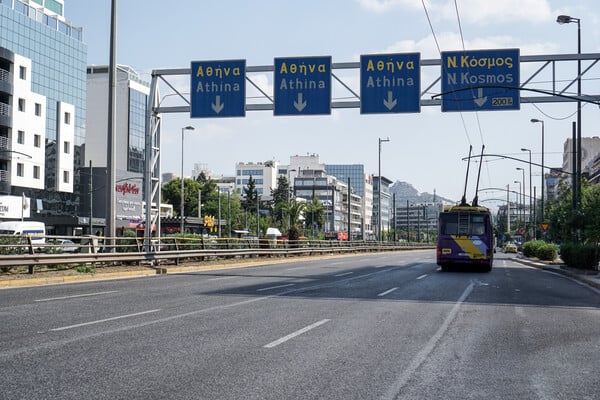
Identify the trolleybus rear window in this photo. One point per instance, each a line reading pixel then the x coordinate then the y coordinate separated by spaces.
pixel 469 224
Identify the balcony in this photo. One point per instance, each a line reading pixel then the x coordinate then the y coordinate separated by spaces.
pixel 5 117
pixel 5 84
pixel 4 182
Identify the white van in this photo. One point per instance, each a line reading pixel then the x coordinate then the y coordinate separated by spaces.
pixel 37 230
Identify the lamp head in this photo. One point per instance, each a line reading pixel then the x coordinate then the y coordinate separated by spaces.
pixel 189 128
pixel 566 19
pixel 525 149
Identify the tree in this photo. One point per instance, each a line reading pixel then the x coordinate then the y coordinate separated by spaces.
pixel 171 194
pixel 314 214
pixel 590 207
pixel 294 209
pixel 559 214
pixel 281 196
pixel 564 222
pixel 250 196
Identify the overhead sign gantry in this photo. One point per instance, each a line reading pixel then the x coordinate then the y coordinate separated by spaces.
pixel 481 80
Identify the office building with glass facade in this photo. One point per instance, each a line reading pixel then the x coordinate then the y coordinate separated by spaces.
pixel 42 113
pixel 362 185
pixel 129 138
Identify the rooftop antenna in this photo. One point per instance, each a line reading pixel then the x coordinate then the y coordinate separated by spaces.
pixel 475 200
pixel 463 201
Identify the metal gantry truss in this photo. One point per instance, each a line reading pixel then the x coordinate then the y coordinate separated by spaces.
pixel 544 79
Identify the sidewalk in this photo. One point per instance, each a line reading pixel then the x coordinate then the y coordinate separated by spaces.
pixel 589 277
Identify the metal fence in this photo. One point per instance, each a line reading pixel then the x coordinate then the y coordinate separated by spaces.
pixel 18 251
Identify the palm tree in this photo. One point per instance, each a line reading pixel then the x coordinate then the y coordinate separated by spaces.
pixel 294 209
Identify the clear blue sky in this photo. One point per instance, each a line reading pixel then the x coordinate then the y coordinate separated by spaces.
pixel 425 148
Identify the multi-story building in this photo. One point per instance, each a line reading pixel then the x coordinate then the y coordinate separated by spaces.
pixel 595 170
pixel 42 113
pixel 130 124
pixel 362 185
pixel 590 148
pixel 264 176
pixel 386 205
pixel 341 213
pixel 419 221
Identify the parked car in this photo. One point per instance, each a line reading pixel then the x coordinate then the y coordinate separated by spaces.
pixel 64 245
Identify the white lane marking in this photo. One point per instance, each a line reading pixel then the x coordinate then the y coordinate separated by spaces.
pixel 387 292
pixel 294 334
pixel 274 287
pixel 381 266
pixel 76 296
pixel 422 355
pixel 422 276
pixel 103 320
pixel 221 278
pixel 338 263
pixel 421 265
pixel 344 274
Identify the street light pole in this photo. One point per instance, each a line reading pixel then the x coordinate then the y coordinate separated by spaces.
pixel 379 232
pixel 523 196
pixel 519 199
pixel 289 188
pixel 182 204
pixel 534 120
pixel 531 210
pixel 566 19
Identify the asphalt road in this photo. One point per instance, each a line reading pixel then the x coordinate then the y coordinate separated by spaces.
pixel 381 326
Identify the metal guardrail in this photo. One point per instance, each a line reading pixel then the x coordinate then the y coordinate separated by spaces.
pixel 178 250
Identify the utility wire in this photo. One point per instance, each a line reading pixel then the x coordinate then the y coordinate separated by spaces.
pixel 459 25
pixel 431 26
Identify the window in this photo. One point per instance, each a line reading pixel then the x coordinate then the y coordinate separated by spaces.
pixel 37 140
pixel 21 137
pixel 22 105
pixel 66 147
pixel 22 72
pixel 36 172
pixel 67 118
pixel 20 169
pixel 38 109
pixel 65 176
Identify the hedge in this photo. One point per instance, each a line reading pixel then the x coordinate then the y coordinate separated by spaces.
pixel 582 256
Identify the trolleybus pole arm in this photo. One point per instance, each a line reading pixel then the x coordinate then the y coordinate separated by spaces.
pixel 517 159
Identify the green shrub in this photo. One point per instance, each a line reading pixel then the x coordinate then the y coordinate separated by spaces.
pixel 547 252
pixel 86 269
pixel 10 245
pixel 582 256
pixel 127 243
pixel 540 249
pixel 531 248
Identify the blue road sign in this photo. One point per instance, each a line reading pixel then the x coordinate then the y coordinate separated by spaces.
pixel 480 80
pixel 302 86
pixel 218 89
pixel 390 83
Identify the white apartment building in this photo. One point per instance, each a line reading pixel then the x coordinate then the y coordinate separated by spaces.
pixel 264 175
